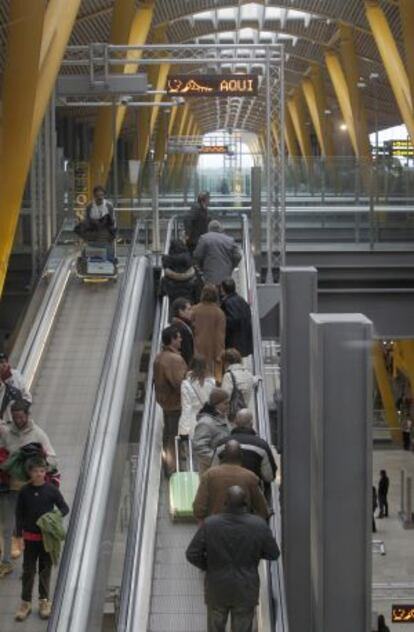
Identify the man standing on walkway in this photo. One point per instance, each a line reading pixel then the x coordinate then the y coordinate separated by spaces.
pixel 229 547
pixel 383 485
pixel 169 371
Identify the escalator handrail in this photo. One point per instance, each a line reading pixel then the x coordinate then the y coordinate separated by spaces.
pixel 68 589
pixel 276 576
pixel 130 576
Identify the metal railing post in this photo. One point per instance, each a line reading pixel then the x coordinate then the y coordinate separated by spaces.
pixel 156 240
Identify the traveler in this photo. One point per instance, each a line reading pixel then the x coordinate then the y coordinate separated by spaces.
pixel 196 221
pixel 229 547
pixel 195 391
pixel 374 507
pixel 36 499
pixel 181 311
pixel 211 426
pixel 382 626
pixel 238 319
pixel 211 494
pixel 383 485
pixel 217 254
pixel 237 374
pixel 21 438
pixel 12 387
pixel 169 371
pixel 406 427
pixel 99 218
pixel 209 326
pixel 181 279
pixel 256 453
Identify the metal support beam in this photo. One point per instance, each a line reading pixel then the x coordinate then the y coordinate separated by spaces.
pixel 299 299
pixel 315 96
pixel 296 108
pixel 340 370
pixel 385 389
pixel 340 85
pixel 351 71
pixel 407 23
pixel 18 105
pixel 392 61
pixel 132 28
pixel 161 139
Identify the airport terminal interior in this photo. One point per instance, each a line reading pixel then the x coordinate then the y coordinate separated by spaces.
pixel 150 152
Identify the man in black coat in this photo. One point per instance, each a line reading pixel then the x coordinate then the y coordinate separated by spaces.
pixel 383 485
pixel 181 318
pixel 256 453
pixel 197 220
pixel 229 547
pixel 238 319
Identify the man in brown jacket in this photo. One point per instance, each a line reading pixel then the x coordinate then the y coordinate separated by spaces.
pixel 169 371
pixel 209 326
pixel 211 495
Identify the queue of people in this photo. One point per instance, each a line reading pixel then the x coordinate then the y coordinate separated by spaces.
pixel 205 389
pixel 29 494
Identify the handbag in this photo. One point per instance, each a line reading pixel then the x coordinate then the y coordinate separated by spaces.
pixel 236 400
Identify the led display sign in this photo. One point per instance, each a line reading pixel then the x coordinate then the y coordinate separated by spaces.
pixel 401 148
pixel 213 85
pixel 402 613
pixel 213 149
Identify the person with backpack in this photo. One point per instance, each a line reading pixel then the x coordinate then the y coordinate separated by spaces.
pixel 12 387
pixel 21 438
pixel 238 382
pixel 35 501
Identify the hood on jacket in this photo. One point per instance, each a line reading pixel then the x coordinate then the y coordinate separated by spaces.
pixel 179 262
pixel 17 431
pixel 180 276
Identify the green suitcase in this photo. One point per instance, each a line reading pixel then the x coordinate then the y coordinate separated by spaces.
pixel 183 488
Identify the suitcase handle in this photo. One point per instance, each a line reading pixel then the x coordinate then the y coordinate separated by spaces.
pixel 190 453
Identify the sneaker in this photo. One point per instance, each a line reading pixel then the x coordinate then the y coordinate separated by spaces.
pixel 24 611
pixel 45 608
pixel 6 568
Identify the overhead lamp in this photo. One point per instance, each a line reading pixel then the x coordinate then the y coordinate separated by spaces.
pixel 327 111
pixel 361 84
pixel 343 127
pixel 374 75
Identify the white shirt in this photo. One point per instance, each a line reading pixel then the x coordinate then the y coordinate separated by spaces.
pixel 99 211
pixel 16 380
pixel 193 398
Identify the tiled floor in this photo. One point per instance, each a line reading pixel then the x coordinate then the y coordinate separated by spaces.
pixel 393 573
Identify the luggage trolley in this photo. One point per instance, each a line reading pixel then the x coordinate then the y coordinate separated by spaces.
pixel 97 262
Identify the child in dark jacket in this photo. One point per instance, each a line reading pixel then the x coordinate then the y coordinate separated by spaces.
pixel 36 499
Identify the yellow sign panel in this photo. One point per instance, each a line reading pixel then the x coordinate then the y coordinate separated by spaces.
pixel 402 613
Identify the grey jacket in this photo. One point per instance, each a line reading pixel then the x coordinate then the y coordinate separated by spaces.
pixel 217 255
pixel 209 430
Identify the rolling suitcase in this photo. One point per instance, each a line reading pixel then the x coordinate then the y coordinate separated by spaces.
pixel 183 487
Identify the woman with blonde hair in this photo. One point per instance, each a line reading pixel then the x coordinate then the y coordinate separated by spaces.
pixel 195 391
pixel 209 326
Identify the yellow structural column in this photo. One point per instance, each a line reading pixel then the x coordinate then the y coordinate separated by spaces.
pixel 296 108
pixel 340 85
pixel 18 102
pixel 290 138
pixel 387 396
pixel 351 71
pixel 315 96
pixel 394 66
pixel 407 22
pixel 181 113
pixel 130 26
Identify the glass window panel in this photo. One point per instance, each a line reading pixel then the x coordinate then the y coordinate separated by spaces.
pixel 204 15
pixel 251 11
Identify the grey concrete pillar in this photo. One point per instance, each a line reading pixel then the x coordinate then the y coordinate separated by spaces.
pixel 341 471
pixel 298 300
pixel 256 195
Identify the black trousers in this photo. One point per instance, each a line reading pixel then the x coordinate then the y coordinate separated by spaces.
pixel 34 551
pixel 171 419
pixel 383 505
pixel 241 618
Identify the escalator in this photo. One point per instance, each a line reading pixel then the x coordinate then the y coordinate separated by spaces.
pixel 160 591
pixel 66 361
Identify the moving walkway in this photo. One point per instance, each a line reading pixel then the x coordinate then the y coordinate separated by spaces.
pixel 80 361
pixel 160 591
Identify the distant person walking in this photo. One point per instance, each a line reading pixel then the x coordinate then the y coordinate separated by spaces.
pixel 217 254
pixel 383 486
pixel 406 428
pixel 229 547
pixel 196 221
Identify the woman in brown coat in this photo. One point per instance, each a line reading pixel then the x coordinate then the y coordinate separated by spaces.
pixel 209 325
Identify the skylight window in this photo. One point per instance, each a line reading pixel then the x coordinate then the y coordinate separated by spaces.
pixel 247 34
pixel 227 14
pixel 251 11
pixel 204 15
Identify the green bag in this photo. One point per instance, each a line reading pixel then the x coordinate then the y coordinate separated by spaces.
pixel 183 488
